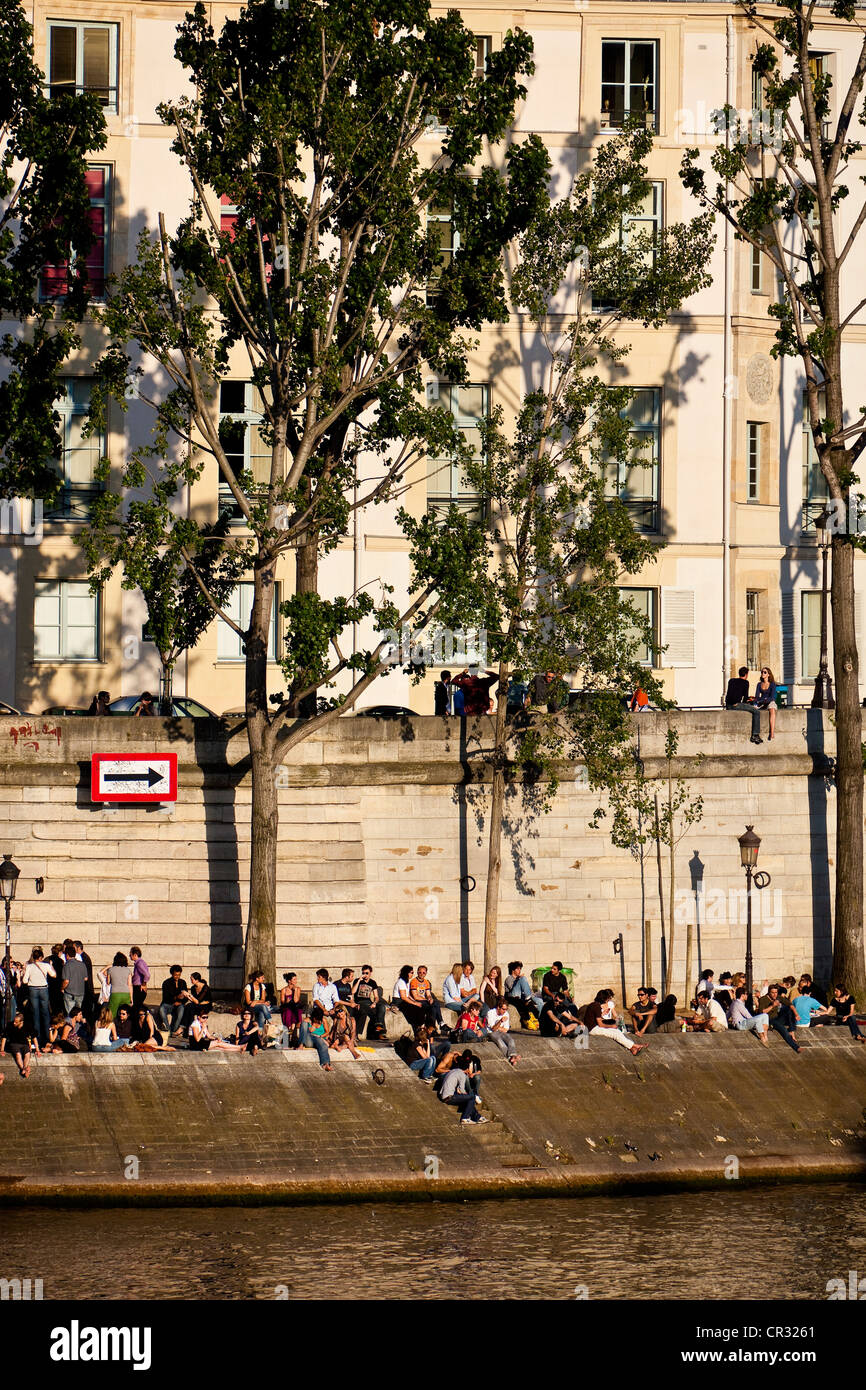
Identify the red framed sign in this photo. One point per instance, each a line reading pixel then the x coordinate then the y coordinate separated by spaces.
pixel 133 777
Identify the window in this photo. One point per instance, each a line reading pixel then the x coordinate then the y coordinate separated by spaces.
pixel 82 57
pixel 239 607
pixel 819 72
pixel 240 419
pixel 810 634
pixel 65 621
pixel 643 225
pixel 79 455
pixel 645 604
pixel 753 460
pixel 756 263
pixel 754 632
pixel 55 279
pixel 483 48
pixel 815 490
pixel 446 481
pixel 629 81
pixel 759 99
pixel 440 220
pixel 635 480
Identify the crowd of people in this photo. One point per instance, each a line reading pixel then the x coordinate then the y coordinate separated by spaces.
pixel 785 1006
pixel 59 1003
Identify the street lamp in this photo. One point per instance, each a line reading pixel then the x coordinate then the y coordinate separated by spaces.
pixel 8 884
pixel 749 844
pixel 823 696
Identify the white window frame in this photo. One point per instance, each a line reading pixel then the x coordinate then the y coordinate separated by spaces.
pixel 239 606
pixel 815 489
pixel 810 602
pixel 754 440
pixel 75 494
pixel 756 270
pixel 249 416
pixel 79 25
pixel 443 477
pixel 606 118
pixel 644 459
pixel 649 659
pixel 63 587
pixel 483 50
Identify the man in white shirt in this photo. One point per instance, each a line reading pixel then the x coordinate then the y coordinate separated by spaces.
pixel 498 1024
pixel 712 1013
pixel 324 993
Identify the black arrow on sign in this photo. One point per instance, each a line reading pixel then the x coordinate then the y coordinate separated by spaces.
pixel 151 776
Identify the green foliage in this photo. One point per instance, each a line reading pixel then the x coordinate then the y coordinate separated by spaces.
pixel 44 215
pixel 309 119
pixel 558 549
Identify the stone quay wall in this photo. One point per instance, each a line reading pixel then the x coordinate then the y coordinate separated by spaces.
pixel 383 834
pixel 695 1109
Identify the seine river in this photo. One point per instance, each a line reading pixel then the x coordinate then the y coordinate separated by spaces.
pixel 781 1242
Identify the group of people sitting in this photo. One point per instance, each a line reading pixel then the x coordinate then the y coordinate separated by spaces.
pixel 765 697
pixel 784 1006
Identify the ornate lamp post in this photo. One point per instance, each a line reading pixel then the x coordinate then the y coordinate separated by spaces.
pixel 823 696
pixel 749 844
pixel 8 884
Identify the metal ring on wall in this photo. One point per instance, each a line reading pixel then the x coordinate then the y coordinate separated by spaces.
pixel 467 883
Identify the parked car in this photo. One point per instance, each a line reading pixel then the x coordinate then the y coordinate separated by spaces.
pixel 15 713
pixel 182 707
pixel 385 712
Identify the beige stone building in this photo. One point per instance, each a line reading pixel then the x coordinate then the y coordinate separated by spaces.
pixel 729 484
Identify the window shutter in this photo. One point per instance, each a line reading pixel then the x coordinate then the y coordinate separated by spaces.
pixel 791 659
pixel 678 627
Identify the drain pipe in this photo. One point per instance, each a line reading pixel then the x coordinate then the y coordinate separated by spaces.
pixel 728 387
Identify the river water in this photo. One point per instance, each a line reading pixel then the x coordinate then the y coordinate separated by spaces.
pixel 781 1242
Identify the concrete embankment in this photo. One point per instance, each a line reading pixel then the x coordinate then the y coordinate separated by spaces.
pixel 174 1128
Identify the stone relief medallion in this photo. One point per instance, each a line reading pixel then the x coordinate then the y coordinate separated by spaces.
pixel 759 378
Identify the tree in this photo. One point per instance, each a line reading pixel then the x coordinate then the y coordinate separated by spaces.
pixel 558 547
pixel 784 191
pixel 635 804
pixel 44 221
pixel 307 120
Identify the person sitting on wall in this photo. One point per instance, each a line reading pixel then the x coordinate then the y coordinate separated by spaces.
pixel 598 1026
pixel 369 1004
pixel 807 986
pixel 764 698
pixel 471 1025
pixel 100 703
pixel 421 995
pixel 201 1039
pixel 420 1057
pixel 782 1018
pixel 291 1013
pixel 740 1018
pixel 498 1025
pixel 709 1016
pixel 346 990
pixel 554 984
pixel 810 1013
pixel 666 1015
pixel 456 1089
pixel 451 997
pixel 643 1013
pixel 313 1035
pixel 17 1040
pixel 248 1034
pixel 145 704
pixel 324 993
pixel 175 997
pixel 256 998
pixel 468 988
pixel 845 1012
pixel 737 693
pixel 518 992
pixel 343 1032
pixel 639 703
pixel 144 1036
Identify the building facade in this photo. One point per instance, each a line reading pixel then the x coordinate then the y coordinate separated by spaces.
pixel 728 482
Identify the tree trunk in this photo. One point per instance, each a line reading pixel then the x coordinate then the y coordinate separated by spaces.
pixel 669 974
pixel 663 961
pixel 165 692
pixel 848 961
pixel 497 804
pixel 260 948
pixel 307 582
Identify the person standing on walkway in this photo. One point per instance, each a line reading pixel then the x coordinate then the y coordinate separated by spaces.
pixel 140 976
pixel 37 973
pixel 74 979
